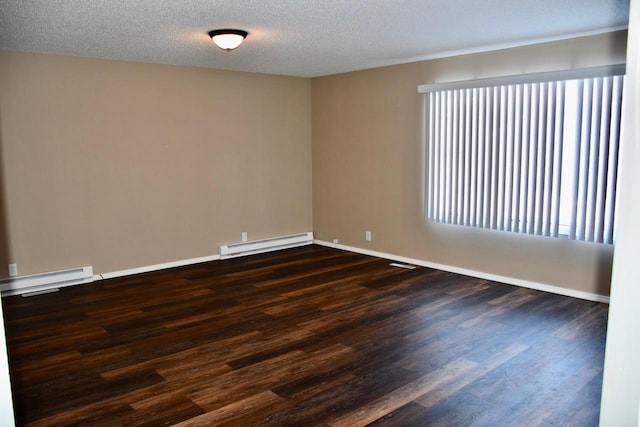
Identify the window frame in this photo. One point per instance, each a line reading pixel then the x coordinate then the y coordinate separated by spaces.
pixel 452 141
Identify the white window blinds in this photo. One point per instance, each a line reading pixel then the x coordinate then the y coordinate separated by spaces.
pixel 533 154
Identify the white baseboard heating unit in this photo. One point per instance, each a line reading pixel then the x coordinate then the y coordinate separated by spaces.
pixel 265 245
pixel 44 282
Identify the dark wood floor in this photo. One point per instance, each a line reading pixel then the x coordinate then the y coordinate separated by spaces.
pixel 307 336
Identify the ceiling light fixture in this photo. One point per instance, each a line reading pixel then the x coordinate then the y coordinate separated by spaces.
pixel 227 39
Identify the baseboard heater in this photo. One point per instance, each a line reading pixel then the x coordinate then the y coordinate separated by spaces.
pixel 43 282
pixel 265 245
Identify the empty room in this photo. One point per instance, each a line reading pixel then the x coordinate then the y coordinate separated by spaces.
pixel 319 213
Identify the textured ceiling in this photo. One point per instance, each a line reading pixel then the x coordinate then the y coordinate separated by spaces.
pixel 296 37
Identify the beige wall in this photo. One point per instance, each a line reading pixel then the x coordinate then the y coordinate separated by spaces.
pixel 120 165
pixel 368 170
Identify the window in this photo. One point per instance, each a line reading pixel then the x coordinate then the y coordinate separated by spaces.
pixel 534 154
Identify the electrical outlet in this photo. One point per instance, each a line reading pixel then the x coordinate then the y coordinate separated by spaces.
pixel 244 236
pixel 367 235
pixel 13 270
pixel 335 240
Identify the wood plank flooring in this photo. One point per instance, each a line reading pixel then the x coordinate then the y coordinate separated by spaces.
pixel 309 336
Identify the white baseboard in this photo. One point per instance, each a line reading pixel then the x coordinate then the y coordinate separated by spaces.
pixel 467 272
pixel 473 273
pixel 156 267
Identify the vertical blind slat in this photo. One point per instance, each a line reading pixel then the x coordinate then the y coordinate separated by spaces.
pixel 508 163
pixel 549 160
pixel 432 129
pixel 557 156
pixel 502 159
pixel 540 166
pixel 573 234
pixel 524 157
pixel 592 168
pixel 480 164
pixel 603 160
pixel 612 169
pixel 442 149
pixel 468 192
pixel 583 168
pixel 454 157
pixel 440 144
pixel 517 131
pixel 449 158
pixel 473 170
pixel 428 160
pixel 488 155
pixel 434 164
pixel 533 166
pixel 495 117
pixel 461 157
pixel 443 154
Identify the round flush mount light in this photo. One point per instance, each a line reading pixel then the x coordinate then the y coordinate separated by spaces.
pixel 227 39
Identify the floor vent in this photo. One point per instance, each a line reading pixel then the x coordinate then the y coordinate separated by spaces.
pixel 37 283
pixel 407 266
pixel 265 245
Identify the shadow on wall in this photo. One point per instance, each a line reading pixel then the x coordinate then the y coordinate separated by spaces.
pixel 603 272
pixel 5 255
